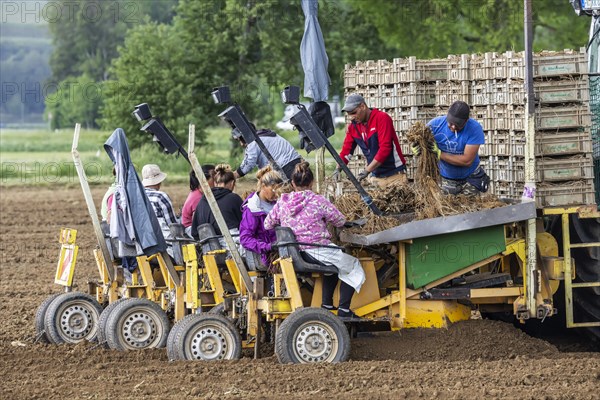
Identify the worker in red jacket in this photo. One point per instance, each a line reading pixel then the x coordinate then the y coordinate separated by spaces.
pixel 373 131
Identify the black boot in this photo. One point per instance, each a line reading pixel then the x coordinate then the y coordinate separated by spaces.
pixel 346 293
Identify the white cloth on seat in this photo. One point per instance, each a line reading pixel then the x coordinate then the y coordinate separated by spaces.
pixel 349 268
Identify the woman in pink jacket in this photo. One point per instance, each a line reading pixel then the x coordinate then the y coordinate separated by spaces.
pixel 308 214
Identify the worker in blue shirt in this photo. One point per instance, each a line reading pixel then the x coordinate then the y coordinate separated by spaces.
pixel 457 141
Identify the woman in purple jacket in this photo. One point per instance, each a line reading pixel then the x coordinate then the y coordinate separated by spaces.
pixel 253 235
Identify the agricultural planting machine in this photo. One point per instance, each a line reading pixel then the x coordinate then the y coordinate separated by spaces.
pixel 519 262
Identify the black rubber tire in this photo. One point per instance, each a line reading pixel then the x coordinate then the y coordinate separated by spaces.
pixel 171 352
pixel 137 324
pixel 40 317
pixel 102 322
pixel 71 318
pixel 206 337
pixel 219 309
pixel 331 341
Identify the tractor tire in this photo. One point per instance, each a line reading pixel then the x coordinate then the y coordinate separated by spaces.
pixel 102 322
pixel 72 318
pixel 171 352
pixel 40 317
pixel 136 324
pixel 311 335
pixel 205 337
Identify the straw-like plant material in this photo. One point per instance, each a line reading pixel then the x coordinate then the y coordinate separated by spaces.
pixel 420 135
pixel 401 204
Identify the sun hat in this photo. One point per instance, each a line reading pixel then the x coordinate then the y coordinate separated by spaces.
pixel 152 175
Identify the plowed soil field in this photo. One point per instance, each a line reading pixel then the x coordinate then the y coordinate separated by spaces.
pixel 477 359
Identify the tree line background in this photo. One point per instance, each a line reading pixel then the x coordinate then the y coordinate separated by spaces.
pixel 93 61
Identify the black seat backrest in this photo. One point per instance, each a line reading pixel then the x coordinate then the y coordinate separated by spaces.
pixel 254 262
pixel 209 241
pixel 288 247
pixel 177 233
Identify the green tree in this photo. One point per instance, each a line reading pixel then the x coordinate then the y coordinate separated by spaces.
pixel 252 47
pixel 435 28
pixel 76 100
pixel 152 68
pixel 86 35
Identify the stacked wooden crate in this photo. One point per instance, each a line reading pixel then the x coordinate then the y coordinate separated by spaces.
pixel 411 90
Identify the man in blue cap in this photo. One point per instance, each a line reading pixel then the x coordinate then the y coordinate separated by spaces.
pixel 457 141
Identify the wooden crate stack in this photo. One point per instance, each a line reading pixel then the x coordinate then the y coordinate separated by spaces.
pixel 411 90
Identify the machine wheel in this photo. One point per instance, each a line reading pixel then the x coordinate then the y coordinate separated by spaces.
pixel 40 316
pixel 71 318
pixel 102 322
pixel 205 337
pixel 136 324
pixel 311 335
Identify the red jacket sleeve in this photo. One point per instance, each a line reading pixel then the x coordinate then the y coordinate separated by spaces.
pixel 385 131
pixel 348 145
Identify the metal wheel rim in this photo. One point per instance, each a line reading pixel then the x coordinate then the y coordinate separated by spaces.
pixel 139 329
pixel 210 342
pixel 77 321
pixel 315 341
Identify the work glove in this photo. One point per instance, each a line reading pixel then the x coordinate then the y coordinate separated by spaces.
pixel 416 149
pixel 433 147
pixel 362 174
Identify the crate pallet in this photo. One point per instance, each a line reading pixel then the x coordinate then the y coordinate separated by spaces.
pixel 573 116
pixel 568 62
pixel 483 66
pixel 416 94
pixel 459 68
pixel 549 143
pixel 565 194
pixel 505 143
pixel 506 190
pixel 564 168
pixel 429 70
pixel 507 169
pixel 385 73
pixel 447 93
pixel 563 90
pixel 349 76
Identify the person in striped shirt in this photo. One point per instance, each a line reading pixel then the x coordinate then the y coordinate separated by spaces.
pixel 161 202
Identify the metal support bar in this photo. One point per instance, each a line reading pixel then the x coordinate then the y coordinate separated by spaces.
pixel 212 202
pixel 585 284
pixel 568 270
pixel 591 244
pixel 87 193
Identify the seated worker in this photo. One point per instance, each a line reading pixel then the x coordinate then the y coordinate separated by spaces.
pixel 307 214
pixel 152 178
pixel 229 203
pixel 457 141
pixel 253 235
pixel 282 151
pixel 187 211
